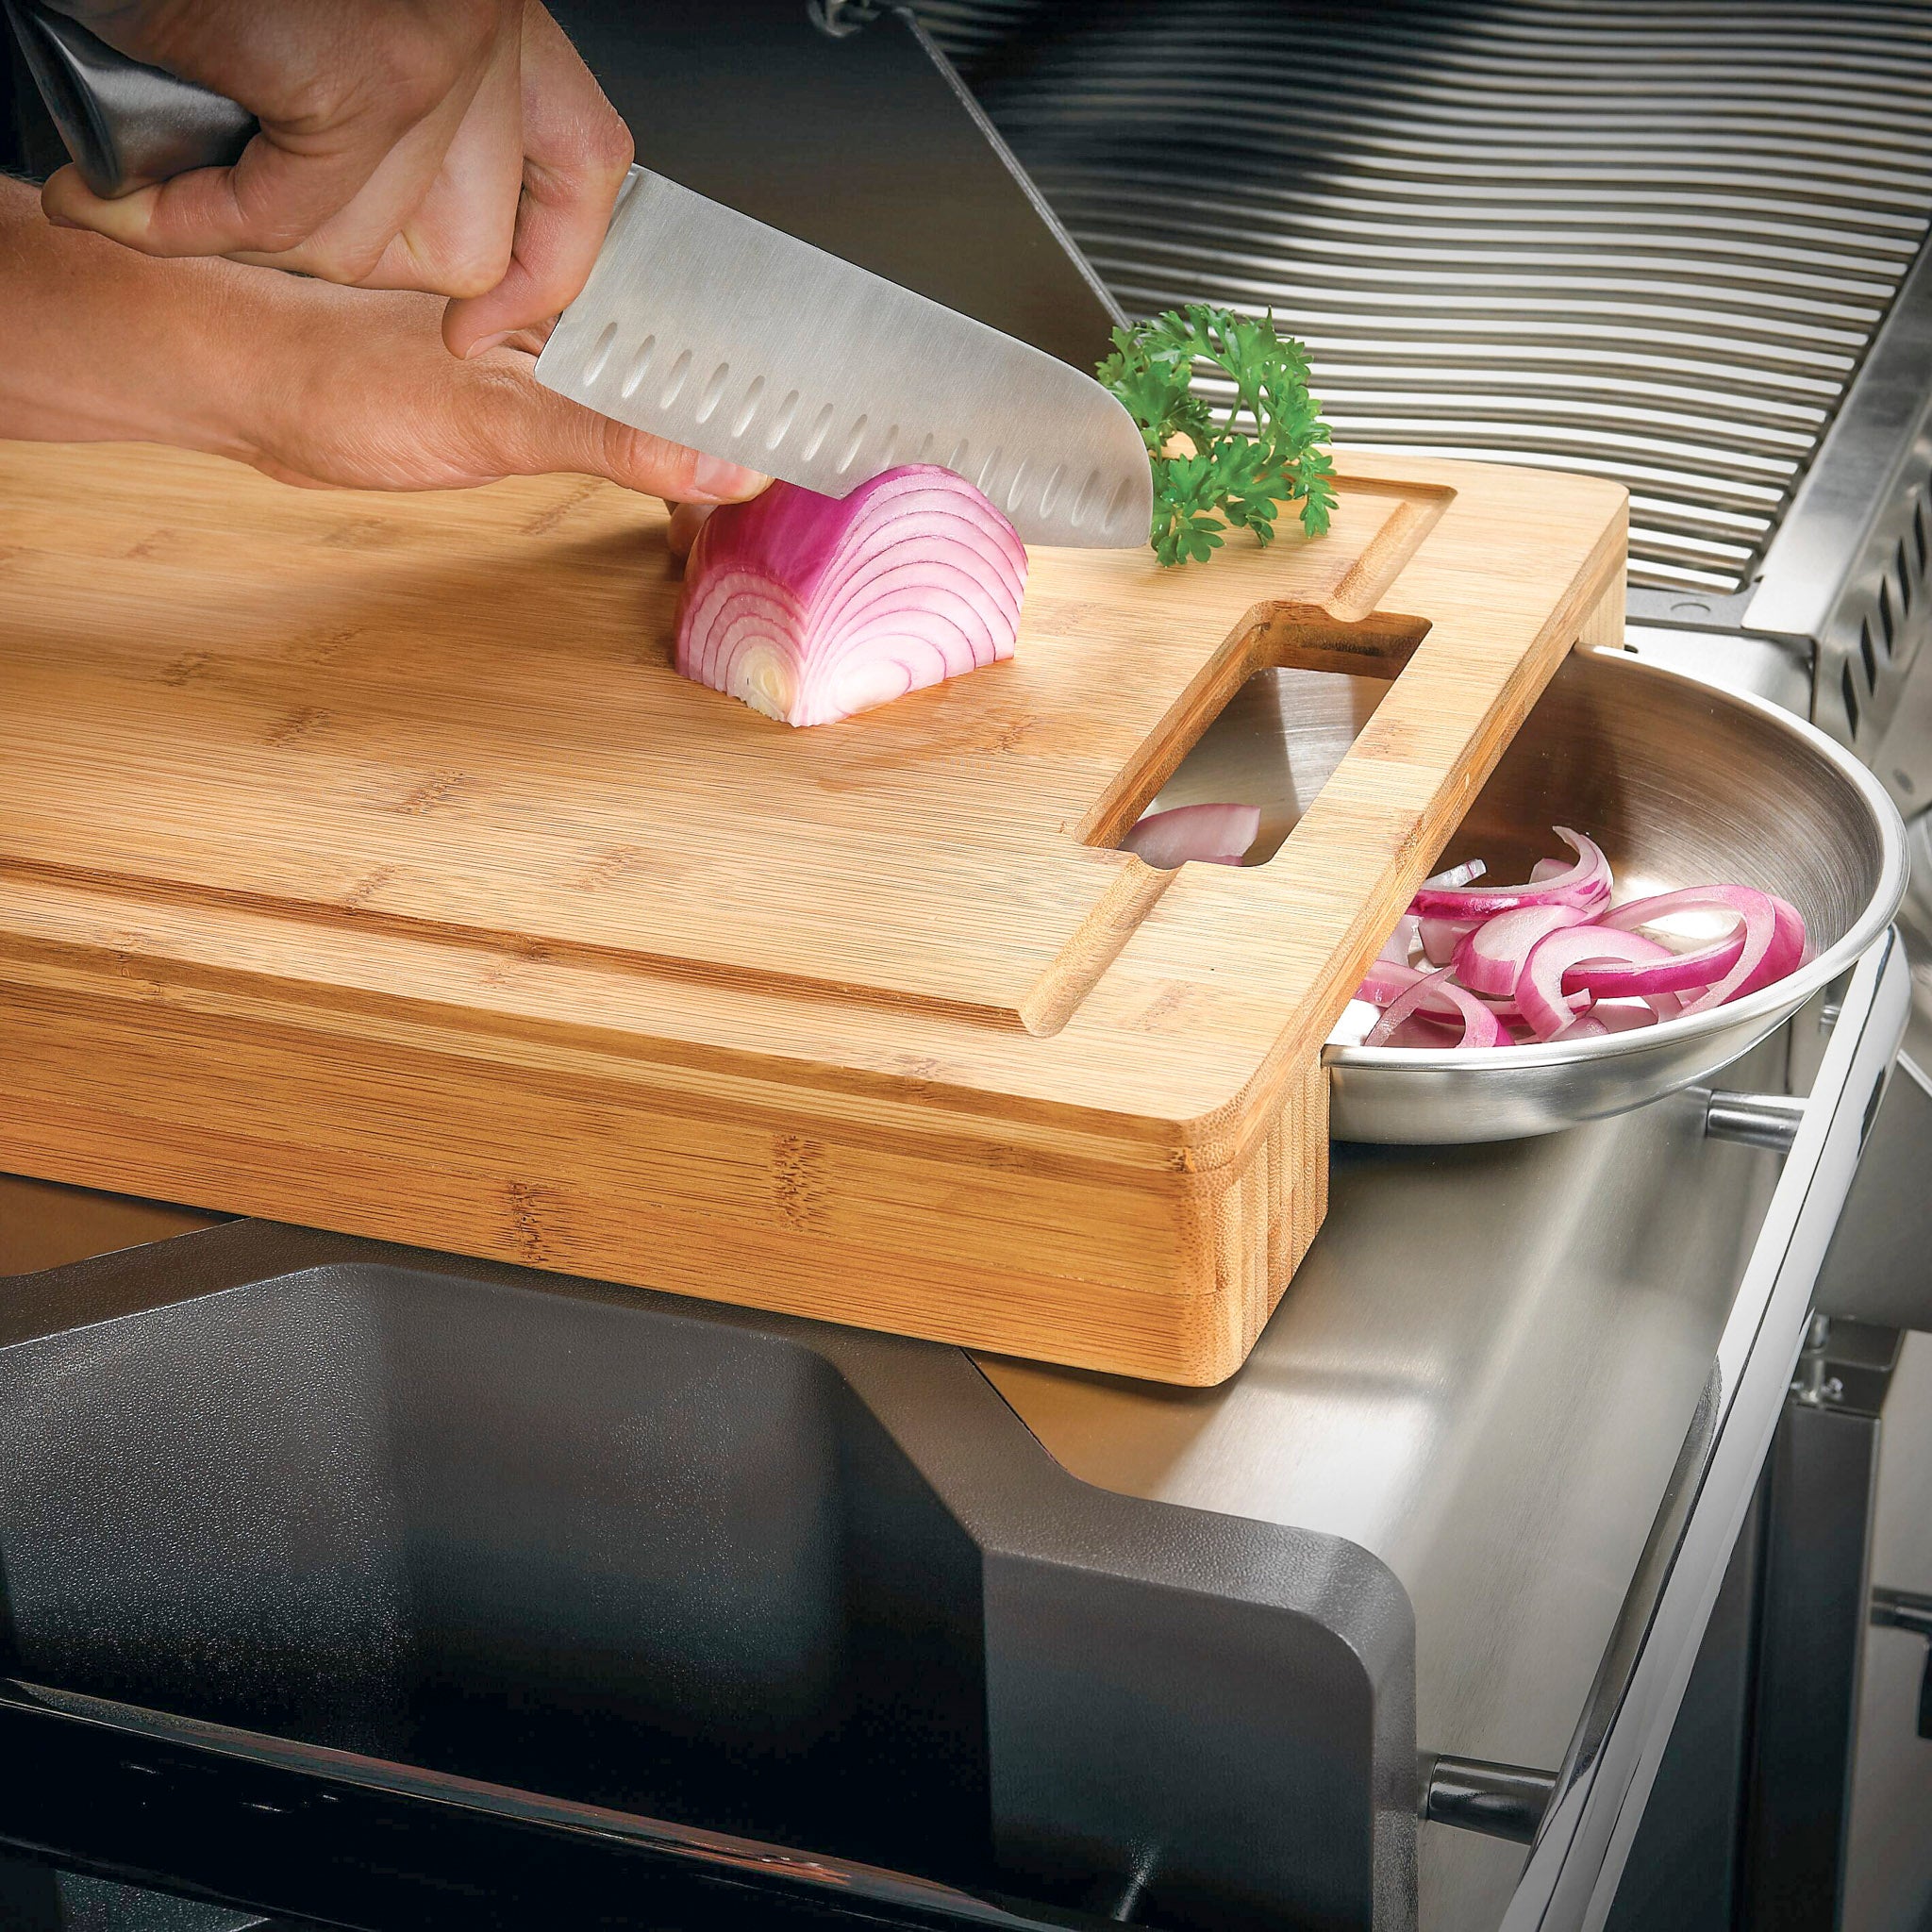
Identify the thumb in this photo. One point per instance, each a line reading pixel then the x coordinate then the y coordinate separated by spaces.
pixel 641 461
pixel 548 432
pixel 517 427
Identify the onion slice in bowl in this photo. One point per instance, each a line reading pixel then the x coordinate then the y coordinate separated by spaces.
pixel 1439 937
pixel 1767 944
pixel 1557 963
pixel 1540 991
pixel 1215 834
pixel 1491 959
pixel 1586 883
pixel 1480 1027
pixel 1409 933
pixel 811 608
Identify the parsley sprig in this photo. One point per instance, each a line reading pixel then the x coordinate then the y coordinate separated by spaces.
pixel 1262 453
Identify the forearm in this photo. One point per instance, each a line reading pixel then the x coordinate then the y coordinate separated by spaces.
pixel 311 383
pixel 102 344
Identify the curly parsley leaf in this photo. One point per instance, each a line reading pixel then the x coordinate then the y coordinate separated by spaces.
pixel 1213 472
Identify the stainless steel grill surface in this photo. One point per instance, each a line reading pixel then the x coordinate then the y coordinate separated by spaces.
pixel 1649 241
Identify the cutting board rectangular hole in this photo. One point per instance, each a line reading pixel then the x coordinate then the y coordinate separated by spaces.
pixel 1225 704
pixel 1275 745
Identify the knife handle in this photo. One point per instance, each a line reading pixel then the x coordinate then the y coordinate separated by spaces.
pixel 126 125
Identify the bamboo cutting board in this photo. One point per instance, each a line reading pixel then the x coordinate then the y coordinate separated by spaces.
pixel 364 863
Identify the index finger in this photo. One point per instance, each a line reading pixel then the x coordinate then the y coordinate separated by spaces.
pixel 577 152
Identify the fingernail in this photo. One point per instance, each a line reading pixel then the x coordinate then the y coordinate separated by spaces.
pixel 60 222
pixel 726 482
pixel 483 344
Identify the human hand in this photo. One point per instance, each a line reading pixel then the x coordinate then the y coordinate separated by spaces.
pixel 310 383
pixel 455 146
pixel 355 390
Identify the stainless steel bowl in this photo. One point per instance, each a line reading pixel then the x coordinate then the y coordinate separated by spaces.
pixel 1681 784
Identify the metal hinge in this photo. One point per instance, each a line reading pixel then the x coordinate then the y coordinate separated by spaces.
pixel 1811 1385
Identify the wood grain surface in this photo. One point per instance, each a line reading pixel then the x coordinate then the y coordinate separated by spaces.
pixel 364 864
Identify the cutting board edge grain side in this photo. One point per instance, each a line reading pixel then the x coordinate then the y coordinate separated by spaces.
pixel 1128 1187
pixel 1168 1276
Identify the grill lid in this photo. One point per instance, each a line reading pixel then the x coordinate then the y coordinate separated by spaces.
pixel 1649 241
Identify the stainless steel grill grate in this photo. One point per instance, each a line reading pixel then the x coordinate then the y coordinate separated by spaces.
pixel 1647 239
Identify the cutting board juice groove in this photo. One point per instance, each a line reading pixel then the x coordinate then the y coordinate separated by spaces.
pixel 364 864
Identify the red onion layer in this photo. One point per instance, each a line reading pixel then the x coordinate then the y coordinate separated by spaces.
pixel 1217 834
pixel 1539 993
pixel 1480 1027
pixel 811 608
pixel 1768 943
pixel 1491 957
pixel 1554 962
pixel 1586 883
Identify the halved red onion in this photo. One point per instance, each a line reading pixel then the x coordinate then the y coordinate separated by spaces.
pixel 1540 992
pixel 1491 958
pixel 1586 883
pixel 811 608
pixel 1215 834
pixel 1480 1027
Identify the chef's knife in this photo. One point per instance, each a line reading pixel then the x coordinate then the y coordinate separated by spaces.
pixel 705 326
pixel 711 329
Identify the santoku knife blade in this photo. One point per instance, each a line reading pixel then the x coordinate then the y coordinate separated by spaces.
pixel 705 326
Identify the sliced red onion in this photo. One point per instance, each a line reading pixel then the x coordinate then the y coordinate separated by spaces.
pixel 1490 958
pixel 811 608
pixel 1386 980
pixel 1584 1026
pixel 1586 883
pixel 1440 937
pixel 1555 963
pixel 1539 993
pixel 1785 954
pixel 1767 944
pixel 1480 1027
pixel 1215 834
pixel 1421 1031
pixel 1409 934
pixel 1400 944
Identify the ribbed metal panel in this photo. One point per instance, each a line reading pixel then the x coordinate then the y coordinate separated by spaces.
pixel 1645 240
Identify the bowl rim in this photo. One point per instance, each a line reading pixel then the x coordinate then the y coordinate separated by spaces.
pixel 1769 1004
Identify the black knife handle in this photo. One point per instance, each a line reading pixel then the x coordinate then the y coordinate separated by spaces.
pixel 126 125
